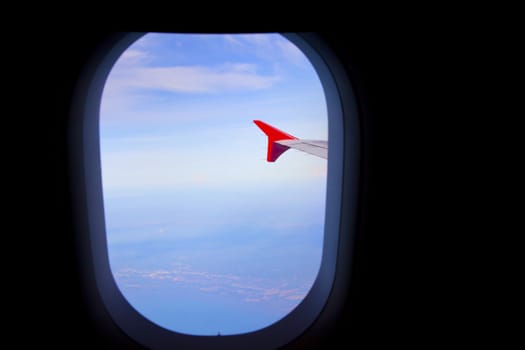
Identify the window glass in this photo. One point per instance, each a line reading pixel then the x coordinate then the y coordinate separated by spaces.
pixel 205 236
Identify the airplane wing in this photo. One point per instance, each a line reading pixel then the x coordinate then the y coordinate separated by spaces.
pixel 279 142
pixel 316 147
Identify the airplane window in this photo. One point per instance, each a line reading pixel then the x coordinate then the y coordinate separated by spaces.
pixel 213 154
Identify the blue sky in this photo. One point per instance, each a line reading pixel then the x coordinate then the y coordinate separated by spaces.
pixel 204 235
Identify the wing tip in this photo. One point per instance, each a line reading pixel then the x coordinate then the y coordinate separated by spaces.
pixel 274 149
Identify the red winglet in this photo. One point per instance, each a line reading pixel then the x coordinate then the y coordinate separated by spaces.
pixel 274 134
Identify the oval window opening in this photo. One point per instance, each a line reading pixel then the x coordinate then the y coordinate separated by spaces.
pixel 213 151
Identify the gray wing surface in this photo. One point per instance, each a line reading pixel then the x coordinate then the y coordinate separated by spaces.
pixel 316 147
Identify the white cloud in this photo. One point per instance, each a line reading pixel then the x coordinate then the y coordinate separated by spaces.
pixel 133 57
pixel 200 79
pixel 231 39
pixel 269 47
pixel 291 52
pixel 232 157
pixel 263 41
pixel 130 75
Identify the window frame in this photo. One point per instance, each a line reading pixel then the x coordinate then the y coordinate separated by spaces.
pixel 321 305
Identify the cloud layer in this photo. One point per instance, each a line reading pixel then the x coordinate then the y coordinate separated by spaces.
pixel 203 79
pixel 192 79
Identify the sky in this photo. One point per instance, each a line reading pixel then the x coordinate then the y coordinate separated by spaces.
pixel 204 235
